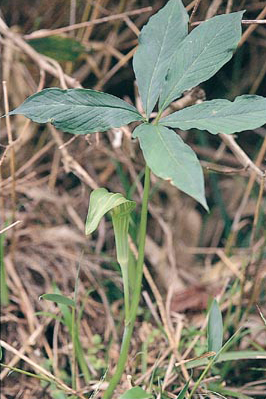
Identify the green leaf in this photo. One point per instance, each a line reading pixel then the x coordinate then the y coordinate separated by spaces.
pixel 170 158
pixel 221 116
pixel 1 353
pixel 157 43
pixel 58 298
pixel 58 47
pixel 229 357
pixel 184 391
pixel 78 111
pixel 215 328
pixel 27 373
pixel 226 393
pixel 136 393
pixel 48 314
pixel 201 54
pixel 67 320
pixel 101 202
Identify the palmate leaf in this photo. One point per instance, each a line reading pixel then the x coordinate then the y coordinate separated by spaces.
pixel 158 41
pixel 170 158
pixel 78 111
pixel 201 54
pixel 221 116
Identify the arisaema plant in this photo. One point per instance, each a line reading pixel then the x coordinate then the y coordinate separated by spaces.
pixel 168 61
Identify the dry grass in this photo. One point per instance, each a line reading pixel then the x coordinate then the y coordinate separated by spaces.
pixel 46 178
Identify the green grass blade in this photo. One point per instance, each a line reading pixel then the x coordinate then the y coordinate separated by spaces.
pixel 27 373
pixel 59 299
pixel 229 357
pixel 4 300
pixel 67 320
pixel 215 328
pixel 136 393
pixel 184 391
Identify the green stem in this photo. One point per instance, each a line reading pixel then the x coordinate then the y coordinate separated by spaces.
pixel 124 269
pixel 212 361
pixel 73 338
pixel 158 117
pixel 205 371
pixel 121 224
pixel 27 373
pixel 4 300
pixel 136 295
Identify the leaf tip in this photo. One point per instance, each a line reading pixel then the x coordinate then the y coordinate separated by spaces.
pixel 205 206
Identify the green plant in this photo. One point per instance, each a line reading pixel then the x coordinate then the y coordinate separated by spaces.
pixel 168 62
pixel 71 322
pixel 4 300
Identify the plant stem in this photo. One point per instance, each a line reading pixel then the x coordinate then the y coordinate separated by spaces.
pixel 4 300
pixel 120 225
pixel 73 338
pixel 136 295
pixel 212 361
pixel 205 371
pixel 124 269
pixel 27 373
pixel 158 117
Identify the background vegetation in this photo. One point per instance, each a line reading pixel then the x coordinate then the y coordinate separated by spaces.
pixel 191 256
